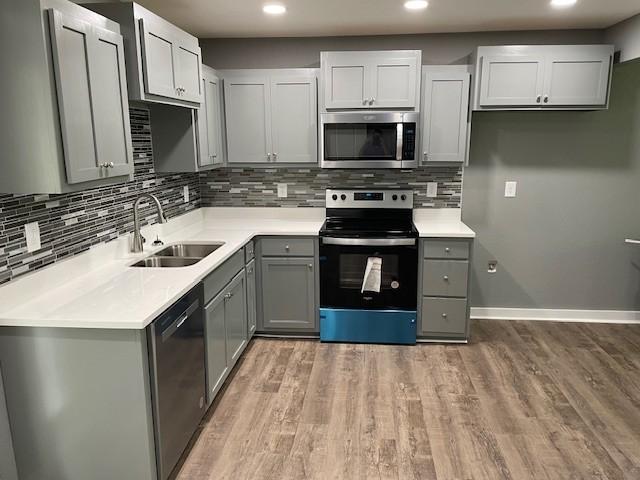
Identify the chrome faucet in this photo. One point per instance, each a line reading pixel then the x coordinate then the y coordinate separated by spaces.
pixel 138 239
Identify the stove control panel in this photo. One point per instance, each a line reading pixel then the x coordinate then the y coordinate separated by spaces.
pixel 369 198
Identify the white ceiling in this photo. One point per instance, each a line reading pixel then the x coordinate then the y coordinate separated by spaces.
pixel 244 18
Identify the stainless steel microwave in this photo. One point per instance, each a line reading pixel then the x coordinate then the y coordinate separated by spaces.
pixel 368 140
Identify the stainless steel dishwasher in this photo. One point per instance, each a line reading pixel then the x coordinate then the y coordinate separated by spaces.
pixel 177 364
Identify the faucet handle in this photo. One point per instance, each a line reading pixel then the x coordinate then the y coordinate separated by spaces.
pixel 157 242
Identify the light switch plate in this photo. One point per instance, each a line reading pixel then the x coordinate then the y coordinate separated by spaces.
pixel 432 189
pixel 282 190
pixel 510 189
pixel 32 235
pixel 185 193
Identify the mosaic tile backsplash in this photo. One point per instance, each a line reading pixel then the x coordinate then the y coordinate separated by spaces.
pixel 242 187
pixel 72 223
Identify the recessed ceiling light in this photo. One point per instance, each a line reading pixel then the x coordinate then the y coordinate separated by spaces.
pixel 274 9
pixel 416 4
pixel 563 3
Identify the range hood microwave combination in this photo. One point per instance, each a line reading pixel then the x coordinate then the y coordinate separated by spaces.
pixel 368 140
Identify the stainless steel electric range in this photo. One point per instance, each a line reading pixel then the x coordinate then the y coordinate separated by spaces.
pixel 368 267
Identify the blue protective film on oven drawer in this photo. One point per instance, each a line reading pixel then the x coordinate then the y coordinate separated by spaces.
pixel 368 326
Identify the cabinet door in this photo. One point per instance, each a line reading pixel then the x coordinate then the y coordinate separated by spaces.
pixel 187 72
pixel 158 58
pixel 345 80
pixel 247 107
pixel 393 81
pixel 236 317
pixel 515 80
pixel 251 299
pixel 111 104
pixel 210 123
pixel 288 293
pixel 577 79
pixel 444 117
pixel 294 126
pixel 92 99
pixel 217 366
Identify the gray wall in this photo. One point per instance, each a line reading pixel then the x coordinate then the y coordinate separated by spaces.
pixel 626 37
pixel 441 48
pixel 560 242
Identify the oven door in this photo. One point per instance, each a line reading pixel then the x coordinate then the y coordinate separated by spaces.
pixel 368 140
pixel 342 268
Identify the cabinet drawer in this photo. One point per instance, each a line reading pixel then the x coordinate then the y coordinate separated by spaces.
pixel 222 275
pixel 249 252
pixel 294 247
pixel 446 249
pixel 445 278
pixel 444 315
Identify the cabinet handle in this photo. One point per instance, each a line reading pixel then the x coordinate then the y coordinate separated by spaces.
pixel 425 155
pixel 269 157
pixel 444 315
pixel 286 247
pixel 546 99
pixel 447 249
pixel 228 295
pixel 538 98
pixel 446 278
pixel 250 270
pixel 371 101
pixel 110 165
pixel 310 266
pixel 275 156
pixel 365 101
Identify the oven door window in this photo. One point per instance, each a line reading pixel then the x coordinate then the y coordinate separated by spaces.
pixel 360 141
pixel 342 272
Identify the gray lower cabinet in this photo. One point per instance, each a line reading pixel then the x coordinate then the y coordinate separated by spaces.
pixel 444 285
pixel 288 293
pixel 8 469
pixel 226 332
pixel 252 313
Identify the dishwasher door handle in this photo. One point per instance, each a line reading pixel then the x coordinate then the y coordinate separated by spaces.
pixel 173 328
pixel 632 241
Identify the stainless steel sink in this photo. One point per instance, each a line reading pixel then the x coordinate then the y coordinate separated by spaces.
pixel 179 255
pixel 189 250
pixel 157 261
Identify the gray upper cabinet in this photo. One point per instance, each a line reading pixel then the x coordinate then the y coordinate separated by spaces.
pixel 163 62
pixel 569 77
pixel 277 109
pixel 68 85
pixel 294 129
pixel 247 107
pixel 92 98
pixel 445 113
pixel 210 120
pixel 371 80
pixel 288 293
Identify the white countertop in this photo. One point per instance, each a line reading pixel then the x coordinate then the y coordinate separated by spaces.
pixel 99 289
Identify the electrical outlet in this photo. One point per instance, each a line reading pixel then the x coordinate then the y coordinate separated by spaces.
pixel 185 193
pixel 432 189
pixel 510 188
pixel 32 235
pixel 282 190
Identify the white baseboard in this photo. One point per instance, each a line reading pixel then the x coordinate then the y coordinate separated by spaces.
pixel 556 315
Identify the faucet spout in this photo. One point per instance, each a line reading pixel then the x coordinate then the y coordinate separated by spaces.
pixel 138 239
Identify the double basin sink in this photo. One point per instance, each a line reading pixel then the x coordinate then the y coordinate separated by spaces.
pixel 179 255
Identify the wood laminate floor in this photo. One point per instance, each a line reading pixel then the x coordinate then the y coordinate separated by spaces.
pixel 524 400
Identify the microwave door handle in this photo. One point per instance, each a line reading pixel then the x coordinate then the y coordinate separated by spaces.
pixel 369 242
pixel 399 135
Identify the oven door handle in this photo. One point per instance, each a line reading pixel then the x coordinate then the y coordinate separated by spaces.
pixel 372 242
